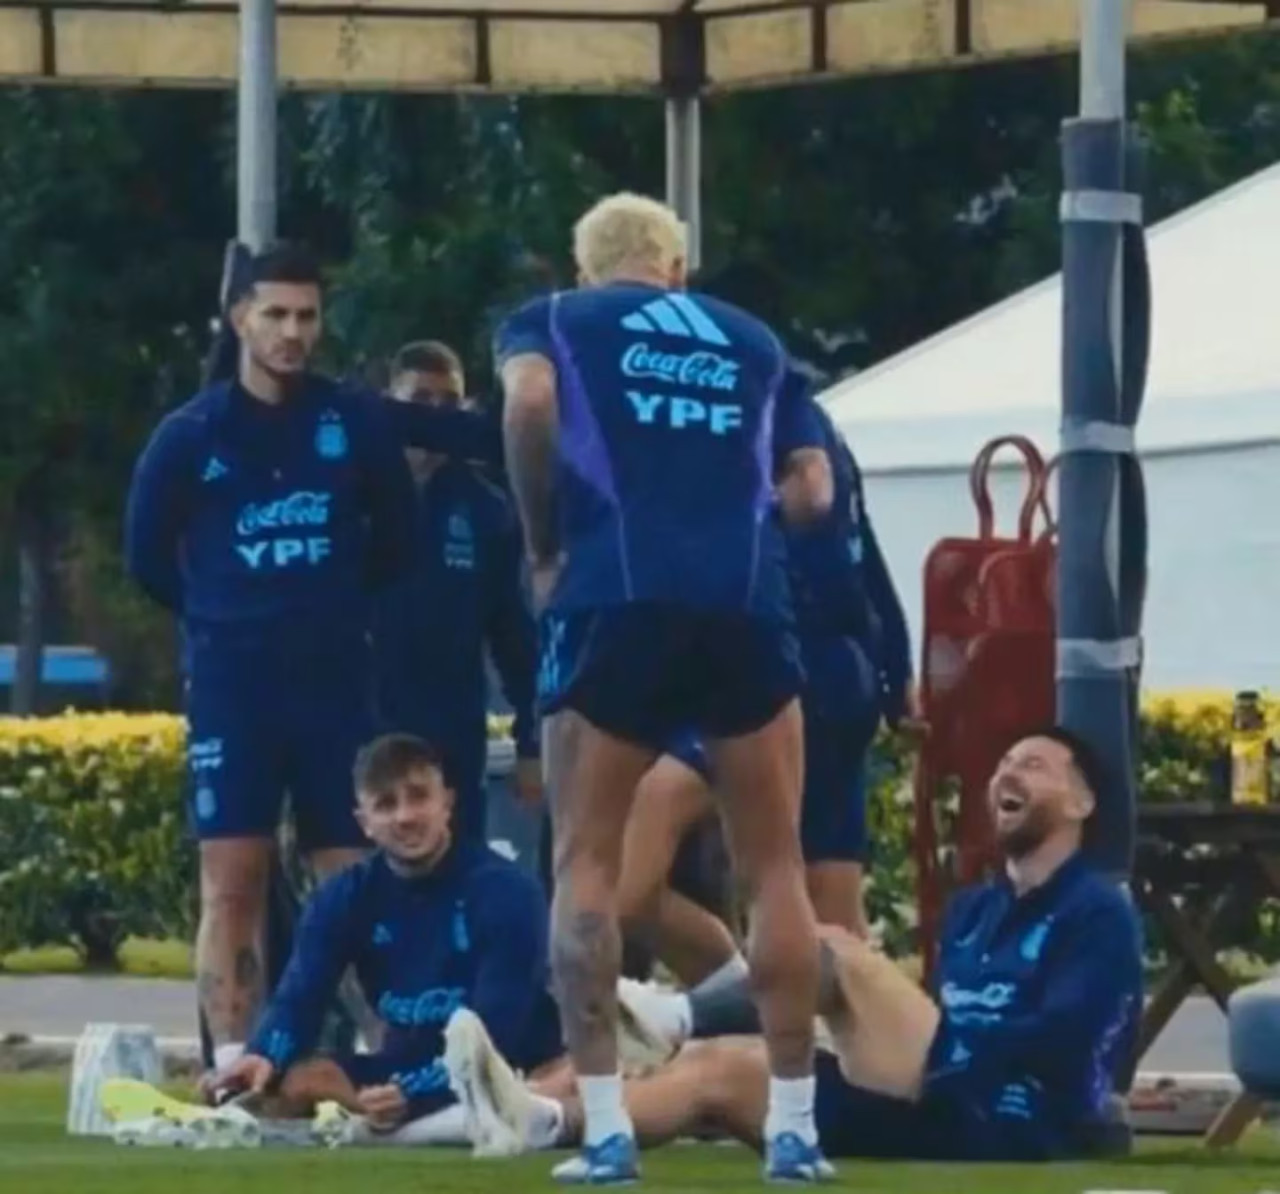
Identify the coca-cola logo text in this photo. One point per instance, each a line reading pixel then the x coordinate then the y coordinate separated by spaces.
pixel 692 370
pixel 304 508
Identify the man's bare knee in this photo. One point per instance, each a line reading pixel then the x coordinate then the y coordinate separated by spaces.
pixel 852 953
pixel 850 966
pixel 835 890
pixel 885 1024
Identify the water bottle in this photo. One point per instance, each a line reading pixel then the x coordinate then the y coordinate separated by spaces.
pixel 1250 752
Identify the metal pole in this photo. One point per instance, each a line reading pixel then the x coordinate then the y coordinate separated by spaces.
pixel 1103 33
pixel 1104 28
pixel 684 168
pixel 256 125
pixel 1098 652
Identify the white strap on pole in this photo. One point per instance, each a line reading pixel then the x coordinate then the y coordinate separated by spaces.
pixel 1116 438
pixel 1100 207
pixel 1084 657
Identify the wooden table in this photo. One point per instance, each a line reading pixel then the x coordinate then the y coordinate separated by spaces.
pixel 1200 873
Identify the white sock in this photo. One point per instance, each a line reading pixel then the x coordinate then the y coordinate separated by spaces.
pixel 732 972
pixel 227 1055
pixel 441 1128
pixel 603 1111
pixel 671 1014
pixel 547 1125
pixel 791 1108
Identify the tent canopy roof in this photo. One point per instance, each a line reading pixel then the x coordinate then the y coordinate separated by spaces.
pixel 644 46
pixel 1214 370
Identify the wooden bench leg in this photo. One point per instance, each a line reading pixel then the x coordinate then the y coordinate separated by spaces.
pixel 1233 1119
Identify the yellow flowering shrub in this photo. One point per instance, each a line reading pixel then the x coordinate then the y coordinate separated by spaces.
pixel 94 843
pixel 93 836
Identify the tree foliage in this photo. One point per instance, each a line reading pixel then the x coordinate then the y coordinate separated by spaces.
pixel 103 281
pixel 860 217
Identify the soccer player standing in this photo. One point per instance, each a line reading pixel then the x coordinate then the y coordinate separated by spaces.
pixel 264 512
pixel 644 430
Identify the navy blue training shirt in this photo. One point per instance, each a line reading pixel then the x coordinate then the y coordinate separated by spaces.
pixel 464 592
pixel 853 632
pixel 673 409
pixel 472 933
pixel 266 524
pixel 1041 996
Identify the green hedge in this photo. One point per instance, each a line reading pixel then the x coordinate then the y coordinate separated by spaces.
pixel 93 841
pixel 94 844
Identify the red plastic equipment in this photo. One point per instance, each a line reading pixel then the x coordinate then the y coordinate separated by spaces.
pixel 987 672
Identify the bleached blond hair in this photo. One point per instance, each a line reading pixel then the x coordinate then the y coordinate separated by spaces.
pixel 627 232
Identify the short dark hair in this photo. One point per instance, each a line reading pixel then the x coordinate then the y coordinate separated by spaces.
pixel 285 262
pixel 387 760
pixel 427 356
pixel 1083 757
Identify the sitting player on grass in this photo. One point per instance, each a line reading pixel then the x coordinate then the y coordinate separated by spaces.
pixel 429 925
pixel 1038 996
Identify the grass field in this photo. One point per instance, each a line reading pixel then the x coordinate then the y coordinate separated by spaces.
pixel 37 1158
pixel 139 957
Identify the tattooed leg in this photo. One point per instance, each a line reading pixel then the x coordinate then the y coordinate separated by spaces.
pixel 587 960
pixel 592 778
pixel 229 971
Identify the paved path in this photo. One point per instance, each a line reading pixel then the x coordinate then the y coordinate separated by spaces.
pixel 60 1006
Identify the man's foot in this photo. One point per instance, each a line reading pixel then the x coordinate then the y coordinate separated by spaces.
pixel 648 1030
pixel 788 1160
pixel 500 1109
pixel 333 1126
pixel 612 1162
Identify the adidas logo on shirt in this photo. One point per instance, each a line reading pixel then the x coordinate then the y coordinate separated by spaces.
pixel 214 469
pixel 676 315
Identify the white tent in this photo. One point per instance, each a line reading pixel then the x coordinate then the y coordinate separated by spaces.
pixel 1209 435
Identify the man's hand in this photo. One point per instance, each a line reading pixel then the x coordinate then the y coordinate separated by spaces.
pixel 543 574
pixel 383 1106
pixel 250 1072
pixel 527 782
pixel 806 488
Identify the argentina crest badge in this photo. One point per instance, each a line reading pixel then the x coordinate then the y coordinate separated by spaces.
pixel 460 527
pixel 331 437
